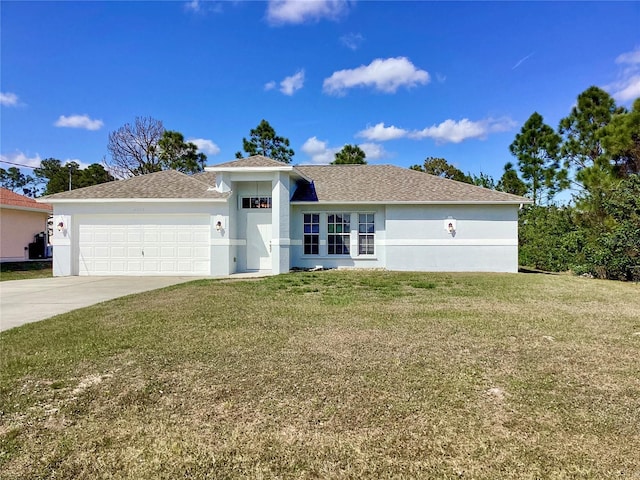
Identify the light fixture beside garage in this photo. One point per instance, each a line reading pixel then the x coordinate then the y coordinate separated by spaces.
pixel 61 225
pixel 450 225
pixel 219 225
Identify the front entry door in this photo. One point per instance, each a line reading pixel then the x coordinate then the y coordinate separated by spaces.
pixel 259 240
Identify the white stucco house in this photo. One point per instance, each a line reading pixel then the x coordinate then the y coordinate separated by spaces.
pixel 257 214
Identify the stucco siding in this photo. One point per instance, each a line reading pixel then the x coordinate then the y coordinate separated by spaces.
pixel 485 238
pixel 17 229
pixel 323 258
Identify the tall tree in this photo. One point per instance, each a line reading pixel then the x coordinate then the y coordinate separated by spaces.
pixel 60 178
pixel 16 181
pixel 441 168
pixel 176 154
pixel 582 148
pixel 483 180
pixel 510 182
pixel 621 140
pixel 94 174
pixel 350 154
pixel 537 147
pixel 264 141
pixel 134 147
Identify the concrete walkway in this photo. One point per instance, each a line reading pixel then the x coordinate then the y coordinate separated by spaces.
pixel 26 301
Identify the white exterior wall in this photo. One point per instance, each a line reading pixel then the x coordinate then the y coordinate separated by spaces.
pixel 485 238
pixel 261 187
pixel 353 260
pixel 414 238
pixel 280 221
pixel 66 240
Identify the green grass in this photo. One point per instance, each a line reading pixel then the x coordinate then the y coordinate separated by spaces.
pixel 24 270
pixel 331 375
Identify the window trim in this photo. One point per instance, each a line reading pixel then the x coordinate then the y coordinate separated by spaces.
pixel 257 202
pixel 367 234
pixel 345 234
pixel 311 234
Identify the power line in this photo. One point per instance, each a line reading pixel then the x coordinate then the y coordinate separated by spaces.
pixel 17 164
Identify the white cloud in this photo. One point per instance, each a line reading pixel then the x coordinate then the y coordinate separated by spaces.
pixel 269 85
pixel 193 6
pixel 79 121
pixel 380 133
pixel 203 6
pixel 374 151
pixel 290 84
pixel 451 131
pixel 319 152
pixel 8 99
pixel 18 159
pixel 82 165
pixel 632 57
pixel 205 146
pixel 627 87
pixel 322 154
pixel 280 12
pixel 385 75
pixel 352 40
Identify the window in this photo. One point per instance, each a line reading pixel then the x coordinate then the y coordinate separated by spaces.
pixel 311 233
pixel 339 233
pixel 256 202
pixel 366 234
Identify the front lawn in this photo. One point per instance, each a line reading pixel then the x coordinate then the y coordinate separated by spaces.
pixel 331 375
pixel 25 270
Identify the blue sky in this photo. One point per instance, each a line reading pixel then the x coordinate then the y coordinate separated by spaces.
pixel 404 80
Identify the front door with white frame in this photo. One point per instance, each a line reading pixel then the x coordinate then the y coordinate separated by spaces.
pixel 259 240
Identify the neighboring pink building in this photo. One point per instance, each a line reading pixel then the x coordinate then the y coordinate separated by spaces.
pixel 21 219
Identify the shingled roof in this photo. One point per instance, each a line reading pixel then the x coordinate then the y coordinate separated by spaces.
pixel 9 199
pixel 254 161
pixel 168 184
pixel 331 183
pixel 388 183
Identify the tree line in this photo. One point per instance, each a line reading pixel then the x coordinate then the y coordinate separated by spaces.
pixel 594 152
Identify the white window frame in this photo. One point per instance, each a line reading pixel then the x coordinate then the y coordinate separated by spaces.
pixel 367 234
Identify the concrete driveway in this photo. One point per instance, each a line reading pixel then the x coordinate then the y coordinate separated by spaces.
pixel 25 301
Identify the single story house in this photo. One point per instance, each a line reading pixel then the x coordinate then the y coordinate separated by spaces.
pixel 257 214
pixel 22 219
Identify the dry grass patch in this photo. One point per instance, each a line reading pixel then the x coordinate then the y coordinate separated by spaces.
pixel 331 375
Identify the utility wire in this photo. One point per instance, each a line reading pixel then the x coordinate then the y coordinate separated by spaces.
pixel 17 164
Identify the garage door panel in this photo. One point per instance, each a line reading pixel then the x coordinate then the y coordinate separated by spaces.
pixel 115 266
pixel 134 235
pixel 144 245
pixel 200 252
pixel 114 251
pixel 134 266
pixel 168 236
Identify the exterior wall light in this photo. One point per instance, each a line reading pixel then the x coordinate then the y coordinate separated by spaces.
pixel 219 225
pixel 450 225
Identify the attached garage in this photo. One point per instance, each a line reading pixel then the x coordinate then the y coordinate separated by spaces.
pixel 144 245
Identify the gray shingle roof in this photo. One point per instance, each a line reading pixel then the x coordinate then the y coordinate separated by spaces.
pixel 168 184
pixel 387 183
pixel 333 183
pixel 254 161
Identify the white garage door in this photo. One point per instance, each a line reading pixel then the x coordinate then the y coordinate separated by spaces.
pixel 144 245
